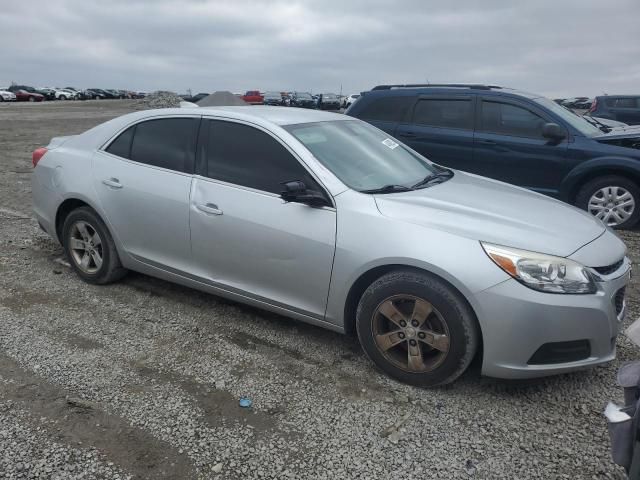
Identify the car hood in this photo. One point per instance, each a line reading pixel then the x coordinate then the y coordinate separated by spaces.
pixel 487 210
pixel 617 133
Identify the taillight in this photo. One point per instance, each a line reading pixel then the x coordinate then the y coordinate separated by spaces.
pixel 38 153
pixel 593 105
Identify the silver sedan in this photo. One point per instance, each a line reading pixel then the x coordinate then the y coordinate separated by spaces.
pixel 328 220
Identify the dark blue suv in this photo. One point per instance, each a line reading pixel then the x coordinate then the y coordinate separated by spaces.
pixel 519 138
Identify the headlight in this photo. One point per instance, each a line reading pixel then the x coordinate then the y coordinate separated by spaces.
pixel 542 272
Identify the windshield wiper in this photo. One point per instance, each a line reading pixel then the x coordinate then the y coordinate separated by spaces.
pixel 441 176
pixel 388 189
pixel 597 123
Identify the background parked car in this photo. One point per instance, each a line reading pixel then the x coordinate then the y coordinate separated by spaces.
pixel 519 138
pixel 350 99
pixel 25 96
pixel 273 98
pixel 253 97
pixel 301 100
pixel 574 101
pixel 95 94
pixel 328 101
pixel 7 96
pixel 623 108
pixel 49 93
pixel 26 88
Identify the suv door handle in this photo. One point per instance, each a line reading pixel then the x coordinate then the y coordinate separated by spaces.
pixel 487 142
pixel 210 208
pixel 493 144
pixel 112 182
pixel 407 134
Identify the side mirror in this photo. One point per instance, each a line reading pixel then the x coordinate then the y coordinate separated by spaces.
pixel 554 132
pixel 296 191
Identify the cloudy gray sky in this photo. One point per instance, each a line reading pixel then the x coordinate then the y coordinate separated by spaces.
pixel 554 47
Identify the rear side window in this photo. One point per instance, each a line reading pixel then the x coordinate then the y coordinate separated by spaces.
pixel 623 102
pixel 509 119
pixel 246 156
pixel 449 113
pixel 121 146
pixel 391 109
pixel 167 143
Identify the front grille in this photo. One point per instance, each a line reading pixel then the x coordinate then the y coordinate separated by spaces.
pixel 619 300
pixel 609 269
pixel 561 352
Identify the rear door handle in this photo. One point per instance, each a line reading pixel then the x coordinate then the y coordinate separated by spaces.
pixel 407 134
pixel 210 208
pixel 112 182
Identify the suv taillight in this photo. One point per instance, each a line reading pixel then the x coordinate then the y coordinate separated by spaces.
pixel 593 105
pixel 37 154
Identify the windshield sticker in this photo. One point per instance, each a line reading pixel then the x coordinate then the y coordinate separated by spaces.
pixel 390 143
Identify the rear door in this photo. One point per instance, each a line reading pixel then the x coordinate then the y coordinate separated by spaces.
pixel 440 127
pixel 245 238
pixel 509 145
pixel 143 180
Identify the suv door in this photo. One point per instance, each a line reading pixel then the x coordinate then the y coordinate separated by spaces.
pixel 509 146
pixel 441 129
pixel 245 238
pixel 143 179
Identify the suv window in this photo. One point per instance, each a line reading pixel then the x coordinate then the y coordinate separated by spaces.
pixel 164 143
pixel 390 109
pixel 509 119
pixel 622 102
pixel 450 113
pixel 246 156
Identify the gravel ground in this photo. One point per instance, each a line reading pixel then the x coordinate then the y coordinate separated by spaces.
pixel 141 379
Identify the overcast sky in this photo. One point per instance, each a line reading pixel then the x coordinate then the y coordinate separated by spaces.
pixel 554 47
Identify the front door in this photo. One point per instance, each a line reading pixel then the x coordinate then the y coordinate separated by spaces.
pixel 509 146
pixel 244 237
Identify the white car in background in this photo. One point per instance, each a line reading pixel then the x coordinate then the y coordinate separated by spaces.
pixel 350 99
pixel 6 95
pixel 65 94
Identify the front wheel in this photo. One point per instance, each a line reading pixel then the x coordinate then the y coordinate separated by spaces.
pixel 613 199
pixel 416 328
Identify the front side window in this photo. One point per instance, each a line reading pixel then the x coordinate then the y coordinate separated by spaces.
pixel 453 113
pixel 506 119
pixel 249 157
pixel 360 155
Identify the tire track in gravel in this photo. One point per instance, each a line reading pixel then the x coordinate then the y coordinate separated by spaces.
pixel 79 422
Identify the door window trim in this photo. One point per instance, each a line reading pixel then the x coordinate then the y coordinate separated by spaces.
pixel 191 163
pixel 200 170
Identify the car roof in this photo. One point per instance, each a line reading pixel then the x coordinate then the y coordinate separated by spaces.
pixel 399 90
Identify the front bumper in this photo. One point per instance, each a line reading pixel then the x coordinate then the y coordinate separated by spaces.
pixel 517 321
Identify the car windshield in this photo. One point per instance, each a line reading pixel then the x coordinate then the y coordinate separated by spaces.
pixel 329 96
pixel 361 156
pixel 305 96
pixel 576 121
pixel 272 95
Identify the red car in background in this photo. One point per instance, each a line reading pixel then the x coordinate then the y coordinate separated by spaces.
pixel 24 96
pixel 253 97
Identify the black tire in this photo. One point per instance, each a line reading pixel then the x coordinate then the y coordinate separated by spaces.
pixel 590 188
pixel 111 269
pixel 448 304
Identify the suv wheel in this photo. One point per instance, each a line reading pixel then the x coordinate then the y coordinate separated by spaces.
pixel 613 199
pixel 90 248
pixel 416 328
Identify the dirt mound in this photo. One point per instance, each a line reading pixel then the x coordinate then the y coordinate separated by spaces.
pixel 159 99
pixel 221 99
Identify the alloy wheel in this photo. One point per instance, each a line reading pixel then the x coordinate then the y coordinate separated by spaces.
pixel 86 247
pixel 613 205
pixel 410 333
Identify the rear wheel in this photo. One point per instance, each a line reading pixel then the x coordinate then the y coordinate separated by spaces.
pixel 613 199
pixel 416 328
pixel 90 247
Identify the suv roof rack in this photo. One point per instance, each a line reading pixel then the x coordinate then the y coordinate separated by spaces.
pixel 421 85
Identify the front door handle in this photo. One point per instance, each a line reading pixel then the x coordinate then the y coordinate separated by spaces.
pixel 407 134
pixel 494 145
pixel 210 208
pixel 112 182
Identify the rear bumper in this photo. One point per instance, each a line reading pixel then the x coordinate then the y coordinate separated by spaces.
pixel 517 321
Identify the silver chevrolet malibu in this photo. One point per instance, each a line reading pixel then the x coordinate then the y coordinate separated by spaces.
pixel 328 220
